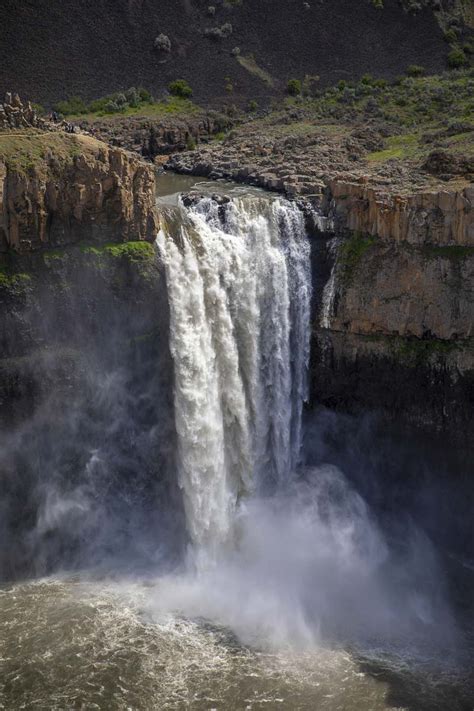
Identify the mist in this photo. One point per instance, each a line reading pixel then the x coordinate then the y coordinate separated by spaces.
pixel 169 450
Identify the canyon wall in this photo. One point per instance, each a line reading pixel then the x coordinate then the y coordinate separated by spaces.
pixel 57 189
pixel 394 329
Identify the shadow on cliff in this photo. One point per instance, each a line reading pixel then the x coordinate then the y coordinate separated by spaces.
pixel 417 489
pixel 87 443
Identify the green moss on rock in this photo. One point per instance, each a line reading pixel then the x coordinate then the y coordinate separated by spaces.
pixel 133 251
pixel 351 252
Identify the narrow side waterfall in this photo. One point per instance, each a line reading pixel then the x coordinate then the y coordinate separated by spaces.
pixel 239 288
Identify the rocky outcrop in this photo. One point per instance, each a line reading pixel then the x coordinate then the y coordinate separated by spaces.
pixel 438 217
pixel 60 189
pixel 153 137
pixel 15 114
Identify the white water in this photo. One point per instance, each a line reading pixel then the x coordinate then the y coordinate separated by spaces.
pixel 239 289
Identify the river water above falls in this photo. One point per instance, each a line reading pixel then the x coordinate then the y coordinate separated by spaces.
pixel 289 592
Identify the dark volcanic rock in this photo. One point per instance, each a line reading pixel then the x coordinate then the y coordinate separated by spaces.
pixel 93 49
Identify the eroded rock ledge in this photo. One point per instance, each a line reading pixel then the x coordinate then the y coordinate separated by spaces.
pixel 57 189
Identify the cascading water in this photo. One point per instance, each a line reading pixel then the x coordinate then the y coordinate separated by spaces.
pixel 293 597
pixel 239 287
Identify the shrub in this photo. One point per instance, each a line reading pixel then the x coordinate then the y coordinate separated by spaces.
pixel 457 58
pixel 378 4
pixel 145 96
pixel 190 143
pixel 162 43
pixel 218 33
pixel 294 87
pixel 120 99
pixel 415 70
pixel 252 106
pixel 181 88
pixel 450 36
pixel 341 85
pixel 133 97
pixel 74 105
pixel 236 52
pixel 111 107
pixel 211 10
pixel 39 109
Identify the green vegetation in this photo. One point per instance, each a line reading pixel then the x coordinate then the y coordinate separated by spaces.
pixel 12 280
pixel 352 251
pixel 418 113
pixel 180 88
pixel 132 251
pixel 415 70
pixel 416 351
pixel 457 58
pixel 294 87
pixel 25 149
pixel 220 136
pixel 112 104
pixel 404 146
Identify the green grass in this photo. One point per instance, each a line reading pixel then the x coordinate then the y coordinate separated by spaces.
pixel 25 149
pixel 174 105
pixel 414 110
pixel 416 351
pixel 405 146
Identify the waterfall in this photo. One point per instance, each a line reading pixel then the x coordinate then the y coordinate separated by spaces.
pixel 239 289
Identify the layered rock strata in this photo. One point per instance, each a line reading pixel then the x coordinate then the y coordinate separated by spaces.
pixel 66 188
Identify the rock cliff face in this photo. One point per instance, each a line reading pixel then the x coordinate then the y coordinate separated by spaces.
pixel 57 189
pixel 153 137
pixel 394 329
pixel 437 217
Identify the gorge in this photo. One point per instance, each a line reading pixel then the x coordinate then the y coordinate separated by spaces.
pixel 237 355
pixel 167 496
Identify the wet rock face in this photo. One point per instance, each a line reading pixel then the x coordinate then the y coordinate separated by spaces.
pixel 91 192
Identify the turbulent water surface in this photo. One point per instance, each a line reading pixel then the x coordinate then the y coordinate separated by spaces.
pixel 290 593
